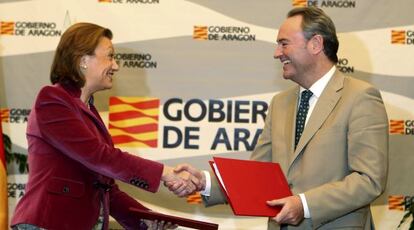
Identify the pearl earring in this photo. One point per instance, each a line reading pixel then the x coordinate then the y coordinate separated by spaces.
pixel 84 66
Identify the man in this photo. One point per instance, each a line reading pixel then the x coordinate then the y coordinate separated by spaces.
pixel 329 133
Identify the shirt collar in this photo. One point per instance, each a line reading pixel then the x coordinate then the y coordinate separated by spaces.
pixel 318 87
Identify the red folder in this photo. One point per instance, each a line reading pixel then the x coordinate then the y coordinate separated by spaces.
pixel 249 184
pixel 190 223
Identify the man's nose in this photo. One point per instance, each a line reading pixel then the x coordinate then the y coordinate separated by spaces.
pixel 115 65
pixel 278 52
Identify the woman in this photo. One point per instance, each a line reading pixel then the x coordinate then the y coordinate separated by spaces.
pixel 73 162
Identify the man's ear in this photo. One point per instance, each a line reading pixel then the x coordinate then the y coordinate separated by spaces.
pixel 316 44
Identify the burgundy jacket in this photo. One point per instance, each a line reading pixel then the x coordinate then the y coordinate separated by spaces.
pixel 73 164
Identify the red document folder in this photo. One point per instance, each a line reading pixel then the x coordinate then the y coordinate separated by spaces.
pixel 249 184
pixel 190 223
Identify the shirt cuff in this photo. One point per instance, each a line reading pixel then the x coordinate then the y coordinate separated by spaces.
pixel 306 212
pixel 207 189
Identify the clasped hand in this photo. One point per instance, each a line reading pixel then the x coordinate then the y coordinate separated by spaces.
pixel 183 180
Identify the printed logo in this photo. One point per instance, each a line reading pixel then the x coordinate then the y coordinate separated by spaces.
pixel 324 3
pixel 402 127
pixel 231 124
pixel 396 202
pixel 200 33
pixel 133 121
pixel 4 114
pixel 14 115
pixel 7 28
pixel 223 33
pixel 400 202
pixel 299 3
pixel 130 1
pixel 397 127
pixel 397 37
pixel 402 37
pixel 194 199
pixel 135 60
pixel 34 29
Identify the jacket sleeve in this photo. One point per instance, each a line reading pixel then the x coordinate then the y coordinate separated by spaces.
pixel 64 125
pixel 216 194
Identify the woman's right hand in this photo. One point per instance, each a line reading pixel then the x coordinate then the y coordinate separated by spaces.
pixel 159 225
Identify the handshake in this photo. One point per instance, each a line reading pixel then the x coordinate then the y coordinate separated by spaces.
pixel 183 180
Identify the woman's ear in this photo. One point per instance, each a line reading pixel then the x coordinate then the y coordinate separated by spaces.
pixel 83 63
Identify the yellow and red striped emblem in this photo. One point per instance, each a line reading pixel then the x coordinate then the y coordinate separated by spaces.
pixel 7 28
pixel 4 115
pixel 396 126
pixel 396 202
pixel 194 199
pixel 200 33
pixel 398 37
pixel 133 121
pixel 299 3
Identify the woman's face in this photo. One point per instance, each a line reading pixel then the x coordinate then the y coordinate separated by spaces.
pixel 100 67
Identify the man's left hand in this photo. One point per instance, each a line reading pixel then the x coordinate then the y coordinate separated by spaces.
pixel 292 210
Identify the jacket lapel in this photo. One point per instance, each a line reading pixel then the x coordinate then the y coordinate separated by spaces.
pixel 290 122
pixel 285 119
pixel 326 103
pixel 99 123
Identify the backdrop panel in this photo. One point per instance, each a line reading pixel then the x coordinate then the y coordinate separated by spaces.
pixel 207 69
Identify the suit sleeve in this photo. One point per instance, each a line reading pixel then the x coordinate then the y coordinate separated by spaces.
pixel 216 194
pixel 367 151
pixel 61 124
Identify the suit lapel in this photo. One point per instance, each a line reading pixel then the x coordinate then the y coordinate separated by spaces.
pixel 290 121
pixel 326 103
pixel 286 121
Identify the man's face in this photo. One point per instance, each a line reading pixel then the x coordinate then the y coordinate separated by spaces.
pixel 292 49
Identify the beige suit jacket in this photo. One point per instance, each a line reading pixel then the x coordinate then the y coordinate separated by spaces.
pixel 341 160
